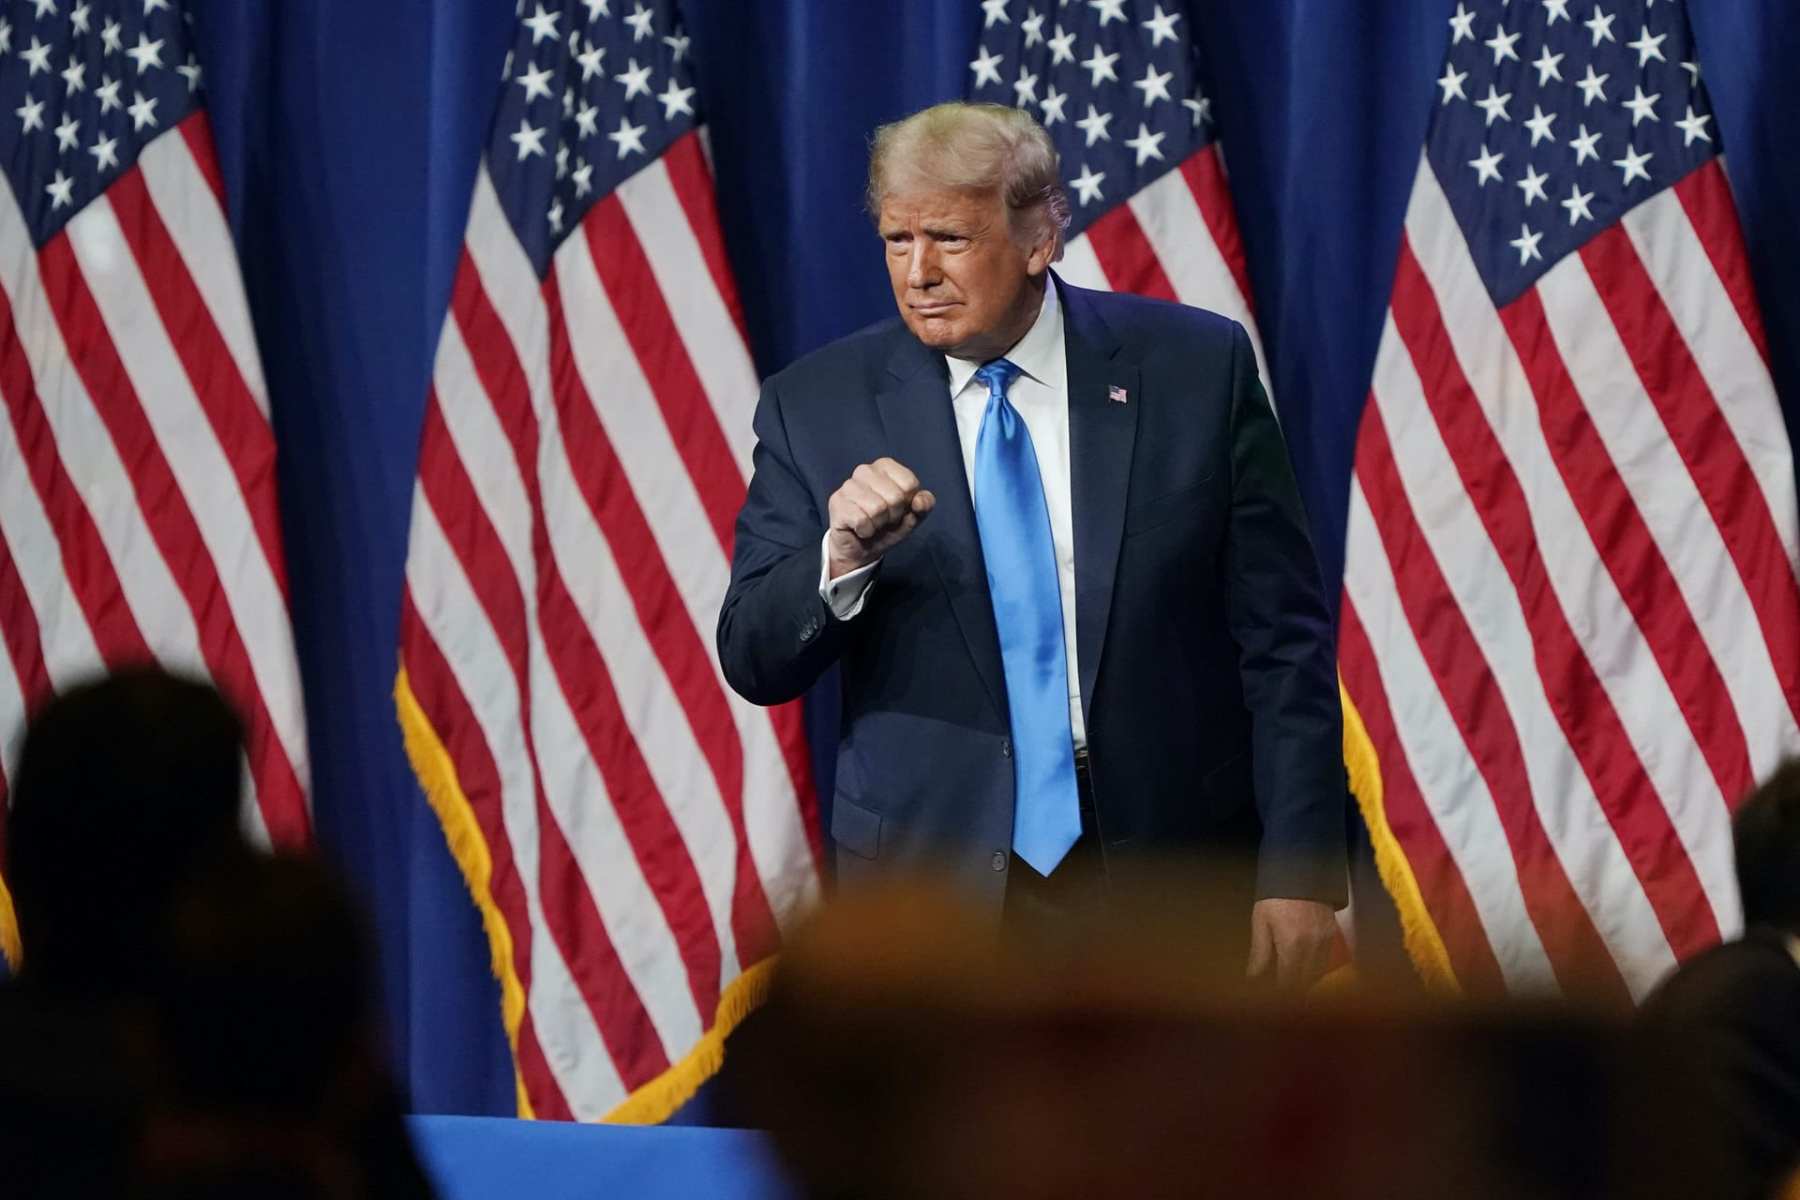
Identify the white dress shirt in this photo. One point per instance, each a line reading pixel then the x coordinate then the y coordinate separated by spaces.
pixel 1041 396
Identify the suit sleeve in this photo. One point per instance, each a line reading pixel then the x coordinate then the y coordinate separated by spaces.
pixel 776 636
pixel 1286 659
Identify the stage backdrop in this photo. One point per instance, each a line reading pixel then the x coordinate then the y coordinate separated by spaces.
pixel 348 132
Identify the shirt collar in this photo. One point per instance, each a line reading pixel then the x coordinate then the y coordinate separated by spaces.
pixel 1038 354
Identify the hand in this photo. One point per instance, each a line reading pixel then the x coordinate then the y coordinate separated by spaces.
pixel 878 506
pixel 1290 942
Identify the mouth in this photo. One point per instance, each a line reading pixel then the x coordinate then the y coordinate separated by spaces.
pixel 935 309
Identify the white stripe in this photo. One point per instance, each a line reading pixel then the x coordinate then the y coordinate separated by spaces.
pixel 1733 367
pixel 201 469
pixel 1665 495
pixel 1177 231
pixel 197 225
pixel 1604 627
pixel 655 717
pixel 1577 827
pixel 70 653
pixel 1081 267
pixel 1449 783
pixel 12 721
pixel 447 607
pixel 620 394
pixel 89 456
pixel 713 342
pixel 250 816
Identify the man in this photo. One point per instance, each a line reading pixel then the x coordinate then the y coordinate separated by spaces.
pixel 1739 1004
pixel 1053 539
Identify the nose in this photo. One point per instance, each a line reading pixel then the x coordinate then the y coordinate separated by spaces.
pixel 922 270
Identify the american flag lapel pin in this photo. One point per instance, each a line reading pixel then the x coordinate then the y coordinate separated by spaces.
pixel 1116 394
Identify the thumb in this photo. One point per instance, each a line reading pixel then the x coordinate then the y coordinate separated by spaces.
pixel 923 502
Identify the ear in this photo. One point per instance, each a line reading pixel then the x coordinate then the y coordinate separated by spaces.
pixel 1043 252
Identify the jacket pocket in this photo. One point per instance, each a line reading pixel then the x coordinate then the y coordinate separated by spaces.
pixel 855 829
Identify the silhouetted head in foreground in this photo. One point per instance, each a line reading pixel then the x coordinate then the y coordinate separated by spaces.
pixel 124 787
pixel 1766 833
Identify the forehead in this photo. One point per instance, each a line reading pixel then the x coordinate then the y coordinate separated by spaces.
pixel 933 206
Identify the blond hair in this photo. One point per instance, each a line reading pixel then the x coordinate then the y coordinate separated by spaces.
pixel 974 148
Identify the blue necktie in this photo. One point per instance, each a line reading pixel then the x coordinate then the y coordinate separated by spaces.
pixel 1021 569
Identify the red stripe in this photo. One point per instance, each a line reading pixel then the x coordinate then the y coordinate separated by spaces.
pixel 496 364
pixel 171 523
pixel 1205 175
pixel 448 711
pixel 1573 691
pixel 1126 256
pixel 86 564
pixel 594 461
pixel 196 131
pixel 650 330
pixel 1631 555
pixel 1705 195
pixel 1690 412
pixel 242 430
pixel 1472 695
pixel 577 666
pixel 19 632
pixel 1441 884
pixel 663 617
pixel 694 189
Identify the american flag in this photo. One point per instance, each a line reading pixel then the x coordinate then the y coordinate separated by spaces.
pixel 1571 623
pixel 137 465
pixel 1119 86
pixel 634 833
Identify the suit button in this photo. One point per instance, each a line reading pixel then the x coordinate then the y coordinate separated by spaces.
pixel 1006 747
pixel 810 630
pixel 999 860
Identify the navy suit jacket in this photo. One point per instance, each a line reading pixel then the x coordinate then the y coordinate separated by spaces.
pixel 1208 679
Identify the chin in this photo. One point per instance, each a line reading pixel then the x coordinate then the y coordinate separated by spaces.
pixel 939 335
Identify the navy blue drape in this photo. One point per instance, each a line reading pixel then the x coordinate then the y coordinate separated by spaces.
pixel 348 132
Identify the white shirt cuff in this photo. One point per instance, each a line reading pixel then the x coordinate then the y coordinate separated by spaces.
pixel 844 595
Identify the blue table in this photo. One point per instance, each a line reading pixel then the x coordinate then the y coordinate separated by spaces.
pixel 491 1158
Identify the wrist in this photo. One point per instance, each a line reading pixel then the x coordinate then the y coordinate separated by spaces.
pixel 838 564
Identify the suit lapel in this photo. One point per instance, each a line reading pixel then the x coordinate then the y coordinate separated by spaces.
pixel 1103 406
pixel 921 428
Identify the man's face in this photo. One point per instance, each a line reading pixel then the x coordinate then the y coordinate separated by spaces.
pixel 963 283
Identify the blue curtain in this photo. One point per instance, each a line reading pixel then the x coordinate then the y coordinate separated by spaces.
pixel 348 132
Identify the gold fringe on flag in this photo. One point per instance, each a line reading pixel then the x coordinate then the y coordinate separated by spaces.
pixel 9 928
pixel 652 1102
pixel 437 776
pixel 1417 930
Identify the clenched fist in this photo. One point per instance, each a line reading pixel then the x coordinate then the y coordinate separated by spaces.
pixel 874 511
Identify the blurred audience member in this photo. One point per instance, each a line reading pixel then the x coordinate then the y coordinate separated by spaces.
pixel 905 1054
pixel 192 1019
pixel 124 787
pixel 1740 1002
pixel 263 1009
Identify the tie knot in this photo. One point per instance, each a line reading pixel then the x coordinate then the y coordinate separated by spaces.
pixel 998 375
